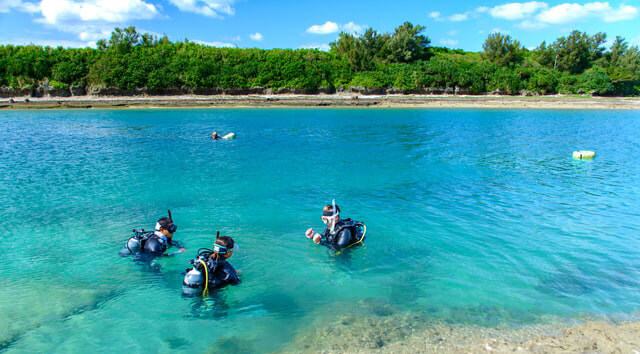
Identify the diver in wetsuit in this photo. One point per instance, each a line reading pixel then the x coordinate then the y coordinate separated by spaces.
pixel 162 239
pixel 154 244
pixel 339 233
pixel 218 273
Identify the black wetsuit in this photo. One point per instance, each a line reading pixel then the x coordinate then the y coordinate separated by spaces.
pixel 158 243
pixel 343 236
pixel 221 274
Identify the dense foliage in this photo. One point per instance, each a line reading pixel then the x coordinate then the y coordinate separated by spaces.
pixel 401 60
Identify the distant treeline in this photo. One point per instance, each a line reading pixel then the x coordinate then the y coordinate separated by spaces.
pixel 402 61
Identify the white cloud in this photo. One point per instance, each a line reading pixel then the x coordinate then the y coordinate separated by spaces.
pixel 623 13
pixel 353 28
pixel 71 11
pixel 517 10
pixel 209 8
pixel 326 28
pixel 256 36
pixel 531 25
pixel 452 33
pixel 449 42
pixel 537 14
pixel 89 20
pixel 332 27
pixel 216 44
pixel 568 13
pixel 323 47
pixel 49 42
pixel 7 5
pixel 458 17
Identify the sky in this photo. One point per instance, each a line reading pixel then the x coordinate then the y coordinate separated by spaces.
pixel 311 24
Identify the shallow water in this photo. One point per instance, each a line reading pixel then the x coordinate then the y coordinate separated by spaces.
pixel 476 217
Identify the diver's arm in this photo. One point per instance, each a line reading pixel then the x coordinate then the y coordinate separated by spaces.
pixel 177 244
pixel 230 275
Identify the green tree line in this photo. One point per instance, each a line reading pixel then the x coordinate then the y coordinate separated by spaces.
pixel 402 60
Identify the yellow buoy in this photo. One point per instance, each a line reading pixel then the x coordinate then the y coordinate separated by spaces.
pixel 584 154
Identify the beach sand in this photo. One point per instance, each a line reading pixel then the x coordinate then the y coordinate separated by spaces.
pixel 336 100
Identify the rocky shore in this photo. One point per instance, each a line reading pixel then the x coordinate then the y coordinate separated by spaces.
pixel 317 100
pixel 409 333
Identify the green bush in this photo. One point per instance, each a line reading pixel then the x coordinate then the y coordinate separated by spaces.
pixel 58 85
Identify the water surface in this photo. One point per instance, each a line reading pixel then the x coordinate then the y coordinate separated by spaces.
pixel 474 216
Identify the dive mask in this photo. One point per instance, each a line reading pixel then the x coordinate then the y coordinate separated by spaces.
pixel 326 219
pixel 223 250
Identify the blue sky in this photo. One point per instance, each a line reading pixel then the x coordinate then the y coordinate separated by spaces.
pixel 298 24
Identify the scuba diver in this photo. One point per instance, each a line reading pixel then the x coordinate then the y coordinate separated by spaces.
pixel 211 269
pixel 339 233
pixel 154 243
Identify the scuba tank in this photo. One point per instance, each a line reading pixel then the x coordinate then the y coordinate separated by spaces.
pixel 135 243
pixel 195 278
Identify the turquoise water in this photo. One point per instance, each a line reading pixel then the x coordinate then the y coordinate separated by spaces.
pixel 474 216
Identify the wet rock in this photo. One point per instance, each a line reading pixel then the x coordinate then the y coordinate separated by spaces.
pixel 395 91
pixel 233 344
pixel 15 92
pixel 77 90
pixel 367 90
pixel 326 90
pixel 208 91
pixel 56 92
pixel 462 91
pixel 111 91
pixel 37 92
pixel 434 91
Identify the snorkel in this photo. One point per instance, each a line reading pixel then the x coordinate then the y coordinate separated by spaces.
pixel 335 213
pixel 331 216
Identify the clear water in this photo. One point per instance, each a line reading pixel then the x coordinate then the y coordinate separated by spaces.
pixel 474 216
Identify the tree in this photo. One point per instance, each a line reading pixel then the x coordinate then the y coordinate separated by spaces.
pixel 407 44
pixel 124 39
pixel 618 49
pixel 578 51
pixel 360 52
pixel 503 50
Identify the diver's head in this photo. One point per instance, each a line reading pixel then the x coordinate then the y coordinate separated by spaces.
pixel 214 135
pixel 330 216
pixel 166 226
pixel 223 248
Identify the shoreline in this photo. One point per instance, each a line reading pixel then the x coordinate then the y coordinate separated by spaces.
pixel 408 334
pixel 321 100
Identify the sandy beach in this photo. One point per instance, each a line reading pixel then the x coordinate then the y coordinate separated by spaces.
pixel 336 100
